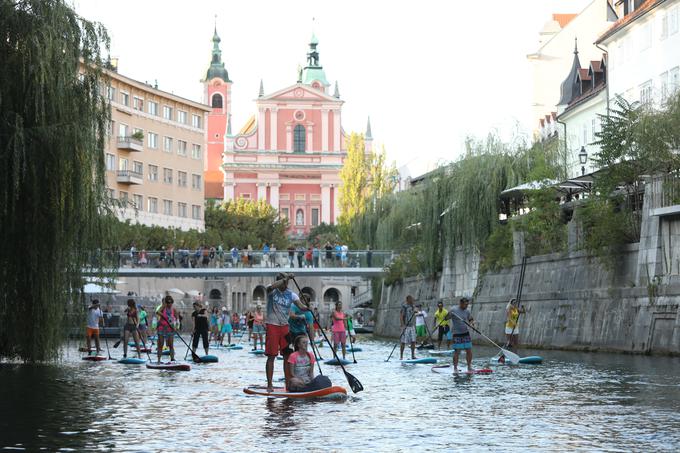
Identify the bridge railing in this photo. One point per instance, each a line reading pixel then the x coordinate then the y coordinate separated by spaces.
pixel 244 259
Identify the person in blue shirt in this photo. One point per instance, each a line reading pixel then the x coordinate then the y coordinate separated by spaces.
pixel 300 322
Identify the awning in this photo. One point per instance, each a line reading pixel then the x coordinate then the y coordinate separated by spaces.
pixel 516 191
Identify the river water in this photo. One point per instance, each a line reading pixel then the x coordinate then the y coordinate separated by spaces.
pixel 574 401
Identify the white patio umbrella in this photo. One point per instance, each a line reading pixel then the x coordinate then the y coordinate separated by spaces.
pixel 193 293
pixel 176 291
pixel 92 288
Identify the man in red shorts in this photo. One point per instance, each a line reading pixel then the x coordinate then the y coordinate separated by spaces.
pixel 279 301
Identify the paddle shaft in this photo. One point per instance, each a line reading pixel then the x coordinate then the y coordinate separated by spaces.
pixel 520 285
pixel 355 385
pixel 193 354
pixel 476 330
pixel 351 343
pixel 144 344
pixel 108 351
pixel 401 335
pixel 311 342
pixel 191 340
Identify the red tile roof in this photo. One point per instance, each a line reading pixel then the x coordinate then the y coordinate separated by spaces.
pixel 624 21
pixel 596 65
pixel 583 73
pixel 563 19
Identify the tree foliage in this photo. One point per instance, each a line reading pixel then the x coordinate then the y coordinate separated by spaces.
pixel 53 125
pixel 354 176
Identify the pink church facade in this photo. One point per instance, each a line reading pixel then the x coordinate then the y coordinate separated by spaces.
pixel 289 153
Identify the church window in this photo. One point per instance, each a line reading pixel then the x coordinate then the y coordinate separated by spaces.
pixel 299 139
pixel 217 101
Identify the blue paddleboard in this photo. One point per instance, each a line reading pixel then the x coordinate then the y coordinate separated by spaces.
pixel 421 360
pixel 208 358
pixel 257 352
pixel 354 349
pixel 132 361
pixel 335 361
pixel 532 359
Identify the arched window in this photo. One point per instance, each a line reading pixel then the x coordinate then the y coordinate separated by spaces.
pixel 299 217
pixel 299 139
pixel 217 101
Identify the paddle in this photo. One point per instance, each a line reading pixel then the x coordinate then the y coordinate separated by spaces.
pixel 316 357
pixel 144 345
pixel 191 340
pixel 194 356
pixel 401 335
pixel 353 382
pixel 351 343
pixel 106 340
pixel 514 358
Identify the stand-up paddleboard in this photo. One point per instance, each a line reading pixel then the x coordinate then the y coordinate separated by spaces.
pixel 257 352
pixel 208 359
pixel 448 369
pixel 529 360
pixel 94 358
pixel 81 349
pixel 353 349
pixel 278 357
pixel 143 350
pixel 173 366
pixel 338 361
pixel 229 347
pixel 426 346
pixel 334 392
pixel 132 361
pixel 445 352
pixel 419 361
pixel 165 352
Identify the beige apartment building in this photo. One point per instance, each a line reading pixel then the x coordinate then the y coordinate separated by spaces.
pixel 155 155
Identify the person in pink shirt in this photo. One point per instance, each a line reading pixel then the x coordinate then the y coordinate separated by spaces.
pixel 301 369
pixel 339 328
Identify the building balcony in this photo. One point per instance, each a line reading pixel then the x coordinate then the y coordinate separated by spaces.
pixel 130 143
pixel 129 177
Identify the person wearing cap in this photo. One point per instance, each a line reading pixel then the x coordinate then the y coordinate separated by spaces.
pixel 201 327
pixel 461 318
pixel 225 328
pixel 279 301
pixel 94 319
pixel 511 328
pixel 442 325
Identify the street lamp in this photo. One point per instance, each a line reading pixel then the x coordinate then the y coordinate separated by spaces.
pixel 583 158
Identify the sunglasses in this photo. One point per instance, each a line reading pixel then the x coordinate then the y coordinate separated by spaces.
pixel 170 302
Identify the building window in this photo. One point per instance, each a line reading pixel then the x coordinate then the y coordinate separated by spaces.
pixel 123 198
pixel 663 83
pixel 182 117
pixel 182 178
pixel 196 121
pixel 153 108
pixel 673 20
pixel 195 212
pixel 646 36
pixel 110 162
pixel 646 93
pixel 111 93
pixel 196 151
pixel 122 130
pixel 284 213
pixel 167 112
pixel 315 216
pixel 300 197
pixel 216 101
pixel 124 98
pixel 167 175
pixel 112 194
pixel 167 207
pixel 153 173
pixel 196 182
pixel 138 202
pixel 299 217
pixel 138 103
pixel 593 127
pixel 153 140
pixel 299 139
pixel 245 196
pixel 182 209
pixel 664 27
pixel 122 164
pixel 181 147
pixel 153 205
pixel 138 167
pixel 167 144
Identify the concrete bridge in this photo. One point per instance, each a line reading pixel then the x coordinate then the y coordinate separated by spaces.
pixel 236 272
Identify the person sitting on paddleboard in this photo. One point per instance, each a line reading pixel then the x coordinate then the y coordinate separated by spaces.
pixel 131 327
pixel 511 327
pixel 201 327
pixel 226 327
pixel 167 318
pixel 339 328
pixel 459 316
pixel 409 330
pixel 258 327
pixel 94 319
pixel 279 301
pixel 301 369
pixel 442 325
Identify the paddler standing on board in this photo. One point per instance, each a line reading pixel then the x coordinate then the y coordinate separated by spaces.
pixel 94 319
pixel 407 323
pixel 442 325
pixel 280 299
pixel 511 327
pixel 460 317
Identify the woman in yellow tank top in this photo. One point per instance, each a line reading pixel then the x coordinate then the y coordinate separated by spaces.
pixel 511 327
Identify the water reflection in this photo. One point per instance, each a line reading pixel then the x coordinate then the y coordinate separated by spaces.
pixel 574 401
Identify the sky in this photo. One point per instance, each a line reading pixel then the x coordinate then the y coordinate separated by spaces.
pixel 428 72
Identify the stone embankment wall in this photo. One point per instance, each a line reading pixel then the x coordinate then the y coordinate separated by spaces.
pixel 572 301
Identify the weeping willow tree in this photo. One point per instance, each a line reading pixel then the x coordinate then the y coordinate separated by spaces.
pixel 457 205
pixel 53 123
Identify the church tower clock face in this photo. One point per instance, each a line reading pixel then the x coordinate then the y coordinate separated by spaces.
pixel 299 115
